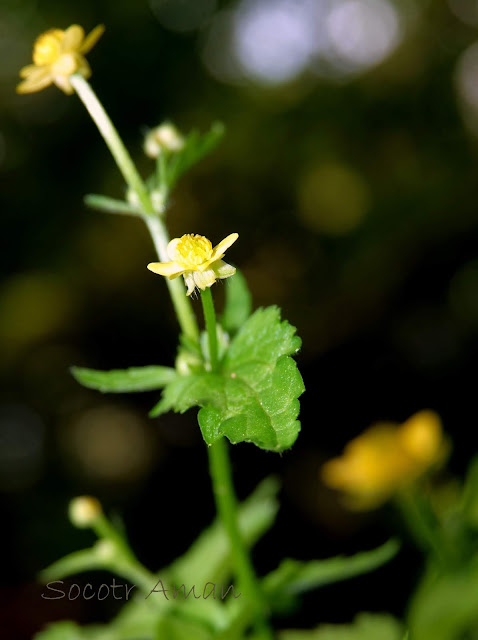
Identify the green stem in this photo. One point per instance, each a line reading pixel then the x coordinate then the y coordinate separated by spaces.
pixel 210 320
pixel 113 141
pixel 227 508
pixel 156 226
pixel 181 302
pixel 424 528
pixel 225 497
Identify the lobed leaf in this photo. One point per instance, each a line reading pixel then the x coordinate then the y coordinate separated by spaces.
pixel 254 398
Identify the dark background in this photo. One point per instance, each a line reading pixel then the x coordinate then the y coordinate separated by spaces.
pixel 351 179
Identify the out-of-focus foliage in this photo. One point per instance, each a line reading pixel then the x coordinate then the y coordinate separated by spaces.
pixel 365 627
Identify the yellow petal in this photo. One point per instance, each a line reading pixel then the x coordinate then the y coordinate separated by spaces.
pixel 63 83
pixel 84 68
pixel 73 38
pixel 220 249
pixel 222 269
pixel 171 248
pixel 92 38
pixel 26 71
pixel 189 281
pixel 422 436
pixel 37 80
pixel 168 269
pixel 204 279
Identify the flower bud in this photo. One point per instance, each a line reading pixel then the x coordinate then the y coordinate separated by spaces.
pixel 84 511
pixel 105 550
pixel 165 137
pixel 157 200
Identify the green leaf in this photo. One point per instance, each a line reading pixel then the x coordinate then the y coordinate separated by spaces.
pixel 64 630
pixel 110 205
pixel 76 562
pixel 238 305
pixel 207 560
pixel 255 396
pixel 196 147
pixel 261 385
pixel 470 494
pixel 445 607
pixel 293 577
pixel 125 380
pixel 175 628
pixel 366 626
pixel 190 391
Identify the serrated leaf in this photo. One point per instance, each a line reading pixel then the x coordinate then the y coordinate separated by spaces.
pixel 293 577
pixel 260 407
pixel 110 205
pixel 196 147
pixel 238 304
pixel 366 626
pixel 262 340
pixel 255 396
pixel 190 391
pixel 125 380
pixel 262 386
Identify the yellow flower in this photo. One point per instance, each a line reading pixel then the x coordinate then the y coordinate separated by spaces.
pixel 193 257
pixel 385 458
pixel 57 55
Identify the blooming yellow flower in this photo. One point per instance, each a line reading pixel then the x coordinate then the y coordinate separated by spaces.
pixel 385 458
pixel 193 257
pixel 57 55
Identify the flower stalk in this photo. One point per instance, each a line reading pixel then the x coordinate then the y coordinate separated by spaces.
pixel 156 227
pixel 211 326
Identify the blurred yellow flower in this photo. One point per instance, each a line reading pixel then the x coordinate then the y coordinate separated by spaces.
pixel 57 55
pixel 385 458
pixel 193 257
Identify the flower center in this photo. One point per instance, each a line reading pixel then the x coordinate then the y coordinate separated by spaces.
pixel 47 47
pixel 192 251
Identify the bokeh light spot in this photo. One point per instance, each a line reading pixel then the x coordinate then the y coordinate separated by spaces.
pixel 466 81
pixel 333 199
pixel 32 307
pixel 110 445
pixel 272 39
pixel 363 32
